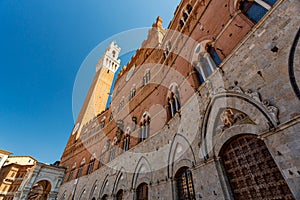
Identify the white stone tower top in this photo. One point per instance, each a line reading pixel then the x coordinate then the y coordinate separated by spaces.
pixel 110 58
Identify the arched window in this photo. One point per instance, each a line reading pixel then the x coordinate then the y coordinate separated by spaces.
pixel 102 123
pixel 144 127
pixel 181 23
pixel 256 9
pixel 79 172
pixel 251 170
pixel 132 92
pixel 134 122
pixel 189 8
pixel 112 153
pixel 184 184
pixel 91 164
pixel 203 61
pixel 104 197
pixel 120 195
pixel 126 141
pixel 214 55
pixel 173 100
pixel 185 15
pixel 80 169
pixel 121 105
pixel 168 49
pixel 146 77
pixel 142 192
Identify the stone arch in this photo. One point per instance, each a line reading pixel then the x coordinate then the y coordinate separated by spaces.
pixel 39 179
pixel 104 188
pixel 120 181
pixel 142 173
pixel 40 190
pixel 180 146
pixel 94 188
pixel 212 138
pixel 82 193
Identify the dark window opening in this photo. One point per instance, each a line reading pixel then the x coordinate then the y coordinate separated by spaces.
pixel 214 55
pixel 91 167
pixel 79 173
pixel 120 195
pixel 142 192
pixel 184 184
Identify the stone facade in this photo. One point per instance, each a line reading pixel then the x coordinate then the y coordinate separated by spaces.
pixel 230 133
pixel 40 182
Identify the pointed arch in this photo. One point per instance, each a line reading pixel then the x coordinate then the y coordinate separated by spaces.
pixel 120 181
pixel 180 146
pixel 142 173
pixel 94 188
pixel 82 193
pixel 212 139
pixel 103 186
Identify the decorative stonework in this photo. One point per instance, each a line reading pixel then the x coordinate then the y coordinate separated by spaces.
pixel 249 94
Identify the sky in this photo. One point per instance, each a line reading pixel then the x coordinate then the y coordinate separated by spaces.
pixel 43 43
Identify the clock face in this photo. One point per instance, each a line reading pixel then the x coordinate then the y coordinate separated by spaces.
pixel 75 128
pixel 130 73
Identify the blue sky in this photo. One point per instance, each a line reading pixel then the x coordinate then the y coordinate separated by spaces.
pixel 42 46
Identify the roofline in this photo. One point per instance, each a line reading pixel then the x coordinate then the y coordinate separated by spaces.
pixel 23 156
pixel 5 152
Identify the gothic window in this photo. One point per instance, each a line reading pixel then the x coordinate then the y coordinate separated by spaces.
pixel 144 127
pixel 181 23
pixel 256 9
pixel 189 8
pixel 185 16
pixel 79 172
pixel 146 77
pixel 120 195
pixel 111 117
pixel 134 121
pixel 71 175
pixel 91 166
pixel 214 55
pixel 132 92
pixel 251 170
pixel 168 49
pixel 126 143
pixel 107 146
pixel 205 62
pixel 102 123
pixel 173 100
pixel 112 153
pixel 184 184
pixel 142 192
pixel 121 105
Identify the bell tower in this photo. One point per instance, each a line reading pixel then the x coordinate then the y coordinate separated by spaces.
pixel 98 93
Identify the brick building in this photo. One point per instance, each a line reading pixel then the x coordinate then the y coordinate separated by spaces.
pixel 207 109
